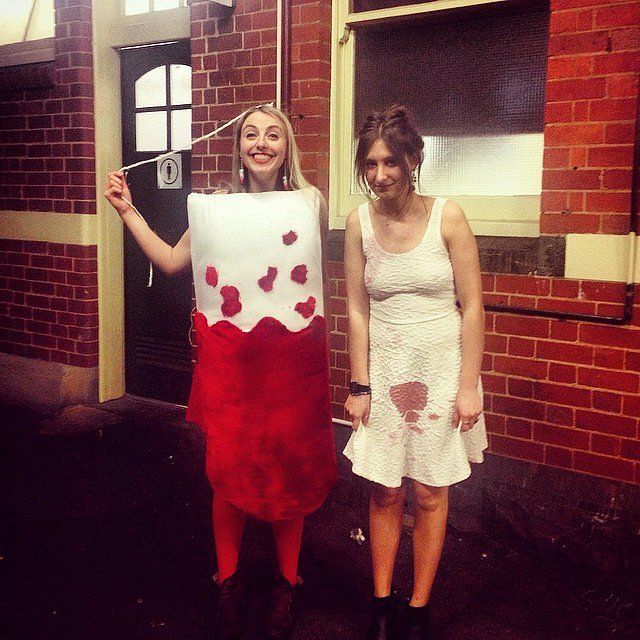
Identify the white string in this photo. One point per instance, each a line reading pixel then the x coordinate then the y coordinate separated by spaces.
pixel 196 140
pixel 169 153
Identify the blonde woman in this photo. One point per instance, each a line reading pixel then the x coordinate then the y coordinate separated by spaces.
pixel 260 389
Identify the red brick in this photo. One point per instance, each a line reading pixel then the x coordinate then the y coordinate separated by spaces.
pixel 607 445
pixel 519 326
pixel 518 428
pixel 520 388
pixel 565 44
pixel 610 157
pixel 564 352
pixel 630 449
pixel 607 379
pixel 514 448
pixel 603 466
pixel 518 407
pixel 562 373
pixel 610 358
pixel 558 457
pixel 606 423
pixel 571 438
pixel 495 344
pixel 607 401
pixel 524 367
pixel 562 394
pixel 521 347
pixel 556 414
pixel 613 336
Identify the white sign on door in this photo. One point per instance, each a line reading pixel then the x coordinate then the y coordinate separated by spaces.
pixel 170 172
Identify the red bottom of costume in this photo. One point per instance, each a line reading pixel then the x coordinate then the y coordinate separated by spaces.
pixel 262 399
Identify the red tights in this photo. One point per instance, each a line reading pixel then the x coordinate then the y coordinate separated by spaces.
pixel 228 525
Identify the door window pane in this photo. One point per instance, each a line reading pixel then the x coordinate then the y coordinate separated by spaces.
pixel 181 129
pixel 180 78
pixel 133 7
pixel 151 88
pixel 151 131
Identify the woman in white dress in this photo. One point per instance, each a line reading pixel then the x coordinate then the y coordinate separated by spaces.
pixel 416 335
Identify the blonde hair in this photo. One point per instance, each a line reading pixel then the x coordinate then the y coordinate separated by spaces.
pixel 291 164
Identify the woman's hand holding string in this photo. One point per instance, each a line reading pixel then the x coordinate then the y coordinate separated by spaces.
pixel 117 193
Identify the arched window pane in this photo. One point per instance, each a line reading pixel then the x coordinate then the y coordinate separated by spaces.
pixel 133 7
pixel 181 129
pixel 151 131
pixel 151 88
pixel 180 78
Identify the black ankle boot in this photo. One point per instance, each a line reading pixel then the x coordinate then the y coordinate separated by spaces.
pixel 280 618
pixel 417 623
pixel 383 619
pixel 230 614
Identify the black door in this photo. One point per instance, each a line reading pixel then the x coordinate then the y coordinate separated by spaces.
pixel 156 117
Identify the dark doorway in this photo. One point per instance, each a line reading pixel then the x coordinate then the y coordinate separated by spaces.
pixel 156 117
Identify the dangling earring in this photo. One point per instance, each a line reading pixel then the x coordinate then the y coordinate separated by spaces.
pixel 241 175
pixel 414 176
pixel 285 181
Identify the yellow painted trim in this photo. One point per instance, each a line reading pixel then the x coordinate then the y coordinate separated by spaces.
pixel 487 215
pixel 596 256
pixel 63 228
pixel 364 17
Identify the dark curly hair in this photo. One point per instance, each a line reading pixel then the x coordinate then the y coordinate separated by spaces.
pixel 395 127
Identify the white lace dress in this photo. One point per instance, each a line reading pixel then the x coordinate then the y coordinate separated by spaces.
pixel 414 366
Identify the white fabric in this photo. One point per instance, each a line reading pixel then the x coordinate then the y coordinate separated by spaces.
pixel 414 366
pixel 240 234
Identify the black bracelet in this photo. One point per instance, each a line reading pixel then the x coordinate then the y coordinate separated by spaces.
pixel 357 389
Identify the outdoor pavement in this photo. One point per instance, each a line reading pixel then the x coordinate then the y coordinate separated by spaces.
pixel 105 533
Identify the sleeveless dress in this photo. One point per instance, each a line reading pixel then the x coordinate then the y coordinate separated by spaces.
pixel 414 366
pixel 260 388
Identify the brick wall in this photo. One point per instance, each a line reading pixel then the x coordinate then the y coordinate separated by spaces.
pixel 592 88
pixel 49 302
pixel 48 292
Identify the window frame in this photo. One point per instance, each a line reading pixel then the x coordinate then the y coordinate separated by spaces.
pixel 487 215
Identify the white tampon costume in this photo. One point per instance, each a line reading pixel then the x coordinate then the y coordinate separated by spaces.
pixel 260 388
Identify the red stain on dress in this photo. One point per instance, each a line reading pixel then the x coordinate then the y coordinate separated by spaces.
pixel 211 277
pixel 290 237
pixel 231 304
pixel 299 273
pixel 306 309
pixel 270 449
pixel 266 282
pixel 409 399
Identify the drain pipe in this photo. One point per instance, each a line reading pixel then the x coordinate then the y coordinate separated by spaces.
pixel 627 312
pixel 283 55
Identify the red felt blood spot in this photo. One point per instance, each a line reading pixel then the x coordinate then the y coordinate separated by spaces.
pixel 306 309
pixel 266 282
pixel 289 238
pixel 231 304
pixel 211 276
pixel 299 273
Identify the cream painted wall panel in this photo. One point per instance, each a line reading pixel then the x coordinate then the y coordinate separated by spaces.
pixel 64 228
pixel 600 257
